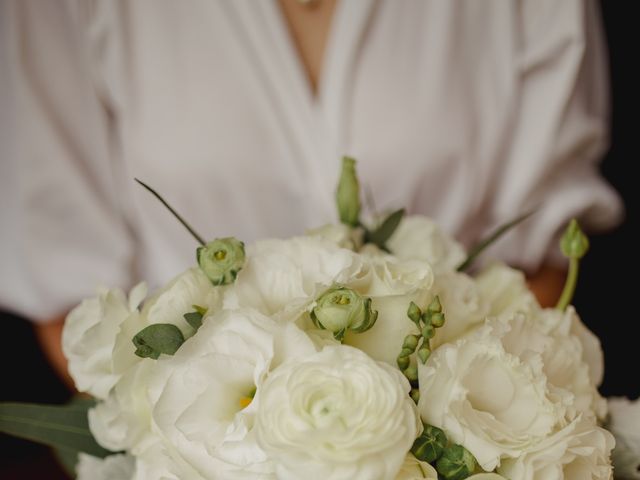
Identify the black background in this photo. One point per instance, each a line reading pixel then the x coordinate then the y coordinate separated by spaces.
pixel 607 296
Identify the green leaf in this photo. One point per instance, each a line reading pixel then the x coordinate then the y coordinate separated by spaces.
pixel 194 319
pixel 492 238
pixel 65 427
pixel 158 338
pixel 68 459
pixel 383 233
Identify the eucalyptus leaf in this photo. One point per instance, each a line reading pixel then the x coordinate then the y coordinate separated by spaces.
pixel 156 339
pixel 194 319
pixel 477 249
pixel 65 427
pixel 380 235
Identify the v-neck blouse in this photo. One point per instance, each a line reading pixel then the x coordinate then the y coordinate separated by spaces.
pixel 469 112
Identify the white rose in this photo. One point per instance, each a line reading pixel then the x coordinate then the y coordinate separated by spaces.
pixel 339 234
pixel 505 291
pixel 336 414
pixel 392 285
pixel 414 469
pixel 205 397
pixel 579 451
pixel 419 238
pixel 113 467
pixel 89 336
pixel 281 278
pixel 485 399
pixel 624 423
pixel 462 304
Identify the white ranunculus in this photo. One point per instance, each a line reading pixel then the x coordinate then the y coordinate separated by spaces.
pixel 89 336
pixel 113 467
pixel 205 397
pixel 392 285
pixel 486 399
pixel 414 469
pixel 281 278
pixel 419 238
pixel 334 415
pixel 579 451
pixel 624 423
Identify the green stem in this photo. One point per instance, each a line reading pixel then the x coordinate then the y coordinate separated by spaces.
pixel 175 214
pixel 569 285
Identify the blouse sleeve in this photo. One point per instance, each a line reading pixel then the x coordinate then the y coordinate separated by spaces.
pixel 560 132
pixel 61 229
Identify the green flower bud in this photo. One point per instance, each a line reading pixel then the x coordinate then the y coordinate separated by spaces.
pixel 415 394
pixel 435 306
pixel 428 331
pixel 574 243
pixel 414 312
pixel 437 319
pixel 348 193
pixel 456 463
pixel 410 343
pixel 423 354
pixel 403 362
pixel 221 260
pixel 341 308
pixel 411 372
pixel 429 446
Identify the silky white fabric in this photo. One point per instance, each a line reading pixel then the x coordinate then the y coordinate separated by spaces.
pixel 470 112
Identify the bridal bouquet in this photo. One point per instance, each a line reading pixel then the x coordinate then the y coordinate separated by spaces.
pixel 347 353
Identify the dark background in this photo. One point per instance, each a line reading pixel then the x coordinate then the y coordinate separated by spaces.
pixel 606 296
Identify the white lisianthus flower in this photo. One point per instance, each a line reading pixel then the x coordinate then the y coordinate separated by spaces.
pixel 420 238
pixel 113 467
pixel 392 285
pixel 281 278
pixel 336 415
pixel 168 305
pixel 414 469
pixel 486 399
pixel 624 424
pixel 550 333
pixel 123 420
pixel 89 336
pixel 205 397
pixel 579 451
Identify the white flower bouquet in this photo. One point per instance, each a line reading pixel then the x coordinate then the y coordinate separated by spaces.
pixel 347 353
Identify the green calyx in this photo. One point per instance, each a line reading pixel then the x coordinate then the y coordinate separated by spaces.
pixel 456 463
pixel 574 245
pixel 156 339
pixel 339 309
pixel 221 260
pixel 348 193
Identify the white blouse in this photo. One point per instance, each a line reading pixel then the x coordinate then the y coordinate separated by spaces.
pixel 470 112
